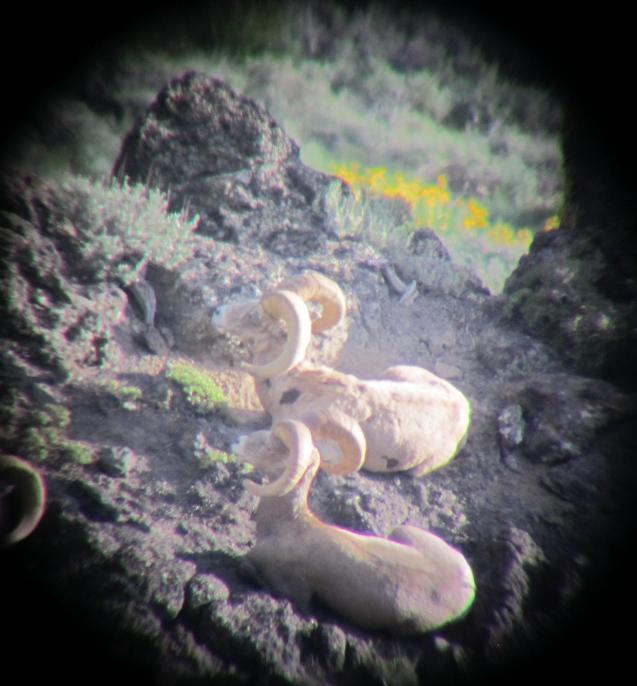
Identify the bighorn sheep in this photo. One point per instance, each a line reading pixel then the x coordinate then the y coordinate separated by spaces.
pixel 411 418
pixel 338 438
pixel 22 498
pixel 258 322
pixel 410 583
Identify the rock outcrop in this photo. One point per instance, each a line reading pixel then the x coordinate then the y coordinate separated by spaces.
pixel 577 289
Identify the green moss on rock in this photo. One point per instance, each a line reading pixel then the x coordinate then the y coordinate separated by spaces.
pixel 126 395
pixel 77 451
pixel 200 390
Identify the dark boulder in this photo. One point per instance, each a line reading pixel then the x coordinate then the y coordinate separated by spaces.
pixel 224 157
pixel 577 288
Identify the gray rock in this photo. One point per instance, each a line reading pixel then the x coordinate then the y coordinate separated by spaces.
pixel 562 413
pixel 204 589
pixel 116 461
pixel 511 426
pixel 576 289
pixel 244 174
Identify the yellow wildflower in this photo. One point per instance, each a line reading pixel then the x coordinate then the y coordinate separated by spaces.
pixel 552 223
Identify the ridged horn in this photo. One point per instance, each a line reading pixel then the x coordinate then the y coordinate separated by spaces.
pixel 25 486
pixel 314 287
pixel 289 307
pixel 334 425
pixel 298 440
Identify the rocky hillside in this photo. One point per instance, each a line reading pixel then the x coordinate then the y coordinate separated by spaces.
pixel 109 358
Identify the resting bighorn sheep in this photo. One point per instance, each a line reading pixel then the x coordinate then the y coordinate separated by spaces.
pixel 259 322
pixel 409 583
pixel 338 438
pixel 411 419
pixel 22 498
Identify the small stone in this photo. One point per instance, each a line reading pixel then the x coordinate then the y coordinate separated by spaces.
pixel 421 495
pixel 512 462
pixel 204 589
pixel 409 295
pixel 553 519
pixel 144 299
pixel 441 644
pixel 330 644
pixel 154 341
pixel 167 335
pixel 511 426
pixel 117 461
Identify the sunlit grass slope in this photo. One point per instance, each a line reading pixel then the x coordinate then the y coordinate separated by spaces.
pixel 490 249
pixel 404 106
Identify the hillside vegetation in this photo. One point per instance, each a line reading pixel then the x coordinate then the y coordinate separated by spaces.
pixel 406 107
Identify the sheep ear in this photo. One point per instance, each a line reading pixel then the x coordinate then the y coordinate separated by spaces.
pixel 333 426
pixel 293 311
pixel 25 483
pixel 298 439
pixel 314 287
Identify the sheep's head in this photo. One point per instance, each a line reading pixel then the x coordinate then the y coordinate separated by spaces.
pixel 298 453
pixel 258 321
pixel 314 287
pixel 22 499
pixel 337 437
pixel 339 440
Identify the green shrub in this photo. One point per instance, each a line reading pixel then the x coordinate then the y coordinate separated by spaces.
pixel 44 438
pixel 77 452
pixel 59 415
pixel 44 434
pixel 123 227
pixel 35 445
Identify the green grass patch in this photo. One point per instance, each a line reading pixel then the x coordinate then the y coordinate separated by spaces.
pixel 342 85
pixel 127 395
pixel 77 452
pixel 53 415
pixel 208 456
pixel 200 390
pixel 489 248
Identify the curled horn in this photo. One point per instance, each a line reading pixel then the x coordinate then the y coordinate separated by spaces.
pixel 334 425
pixel 22 499
pixel 315 287
pixel 298 439
pixel 289 307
